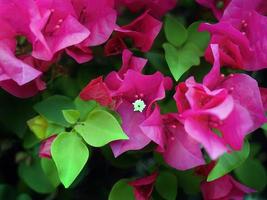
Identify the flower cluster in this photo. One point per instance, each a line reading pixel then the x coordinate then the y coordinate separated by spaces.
pixel 213 116
pixel 35 34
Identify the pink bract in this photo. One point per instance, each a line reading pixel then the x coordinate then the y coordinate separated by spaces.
pixel 143 187
pixel 241 35
pixel 224 188
pixel 45 148
pixel 220 112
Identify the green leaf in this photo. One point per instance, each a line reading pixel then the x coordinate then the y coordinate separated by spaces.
pixel 175 32
pixel 23 197
pixel 71 116
pixel 179 61
pixel 253 174
pixel 228 162
pixel 100 128
pixel 53 129
pixel 51 108
pixel 84 107
pixel 70 155
pixel 190 182
pixel 15 113
pixel 166 185
pixel 264 127
pixel 121 190
pixel 50 171
pixel 200 39
pixel 38 126
pixel 7 192
pixel 34 176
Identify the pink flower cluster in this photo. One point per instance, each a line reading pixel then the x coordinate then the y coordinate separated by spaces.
pixel 35 33
pixel 241 33
pixel 216 114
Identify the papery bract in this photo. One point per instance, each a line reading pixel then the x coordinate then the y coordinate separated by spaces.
pixel 45 147
pixel 220 104
pixel 142 31
pixel 241 35
pixel 99 18
pixel 224 188
pixel 131 62
pixel 16 76
pixel 180 150
pixel 134 86
pixel 98 91
pixel 143 187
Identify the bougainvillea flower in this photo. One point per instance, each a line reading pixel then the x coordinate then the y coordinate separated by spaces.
pixel 142 31
pixel 143 187
pixel 16 76
pixel 114 46
pixel 217 6
pixel 180 151
pixel 57 29
pixel 98 91
pixel 80 53
pixel 156 8
pixel 45 147
pixel 221 111
pixel 241 35
pixel 224 188
pixel 131 62
pixel 99 18
pixel 249 97
pixel 145 88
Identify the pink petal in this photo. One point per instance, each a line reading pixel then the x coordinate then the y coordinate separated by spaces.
pixel 200 131
pixel 131 126
pixel 182 152
pixel 45 148
pixel 131 62
pixel 152 127
pixel 142 31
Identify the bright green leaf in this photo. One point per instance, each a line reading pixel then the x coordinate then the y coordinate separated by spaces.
pixel 166 185
pixel 50 171
pixel 121 190
pixel 71 116
pixel 51 108
pixel 200 39
pixel 38 126
pixel 175 32
pixel 100 128
pixel 53 129
pixel 253 174
pixel 264 127
pixel 228 162
pixel 84 107
pixel 179 61
pixel 70 155
pixel 34 176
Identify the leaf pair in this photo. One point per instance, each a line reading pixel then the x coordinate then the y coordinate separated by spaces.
pixel 185 47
